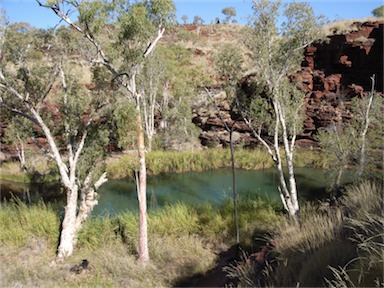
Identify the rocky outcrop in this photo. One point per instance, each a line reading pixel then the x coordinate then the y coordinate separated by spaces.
pixel 332 73
pixel 211 114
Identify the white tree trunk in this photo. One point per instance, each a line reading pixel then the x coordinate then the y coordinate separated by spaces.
pixel 288 196
pixel 88 198
pixel 68 229
pixel 142 193
pixel 365 129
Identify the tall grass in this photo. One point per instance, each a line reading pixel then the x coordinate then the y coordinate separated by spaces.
pixel 161 161
pixel 185 161
pixel 11 171
pixel 19 223
pixel 336 246
pixel 182 241
pixel 256 216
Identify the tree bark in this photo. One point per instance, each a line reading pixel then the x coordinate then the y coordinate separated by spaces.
pixel 142 193
pixel 365 129
pixel 68 230
pixel 234 184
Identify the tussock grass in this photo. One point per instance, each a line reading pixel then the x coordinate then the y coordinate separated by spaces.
pixel 181 243
pixel 173 220
pixel 255 216
pixel 39 167
pixel 161 161
pixel 19 223
pixel 338 246
pixel 291 238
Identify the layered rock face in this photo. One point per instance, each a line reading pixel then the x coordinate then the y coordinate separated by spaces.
pixel 211 114
pixel 332 74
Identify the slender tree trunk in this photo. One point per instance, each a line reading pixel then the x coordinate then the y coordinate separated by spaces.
pixel 234 185
pixel 365 130
pixel 142 194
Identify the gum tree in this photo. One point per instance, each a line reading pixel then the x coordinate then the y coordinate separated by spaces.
pixel 276 52
pixel 123 35
pixel 37 85
pixel 229 12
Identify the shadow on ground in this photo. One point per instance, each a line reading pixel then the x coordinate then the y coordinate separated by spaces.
pixel 215 277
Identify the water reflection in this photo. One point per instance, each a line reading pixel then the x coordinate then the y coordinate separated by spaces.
pixel 191 188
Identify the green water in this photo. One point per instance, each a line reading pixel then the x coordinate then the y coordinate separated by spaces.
pixel 192 188
pixel 212 186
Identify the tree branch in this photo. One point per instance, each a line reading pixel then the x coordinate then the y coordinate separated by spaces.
pixel 152 45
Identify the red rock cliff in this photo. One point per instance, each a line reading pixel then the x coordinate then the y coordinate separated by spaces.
pixel 332 73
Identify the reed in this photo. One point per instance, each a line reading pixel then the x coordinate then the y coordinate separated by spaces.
pixel 178 162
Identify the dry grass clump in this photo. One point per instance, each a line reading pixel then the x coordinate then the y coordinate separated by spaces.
pixel 336 246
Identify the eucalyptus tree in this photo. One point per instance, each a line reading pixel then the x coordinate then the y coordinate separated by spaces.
pixel 37 84
pixel 229 12
pixel 276 51
pixel 151 82
pixel 378 12
pixel 123 35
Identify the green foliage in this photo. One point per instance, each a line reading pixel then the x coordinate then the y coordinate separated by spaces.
pixel 98 233
pixel 162 12
pixel 277 51
pixel 379 11
pixel 95 14
pixel 342 145
pixel 255 216
pixel 229 12
pixel 176 102
pixel 187 36
pixel 184 18
pixel 182 242
pixel 228 62
pixel 18 130
pixel 20 223
pixel 124 116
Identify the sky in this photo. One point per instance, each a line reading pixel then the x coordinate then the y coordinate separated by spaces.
pixel 29 10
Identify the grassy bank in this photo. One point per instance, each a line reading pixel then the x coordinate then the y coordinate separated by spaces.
pixel 124 165
pixel 181 242
pixel 178 162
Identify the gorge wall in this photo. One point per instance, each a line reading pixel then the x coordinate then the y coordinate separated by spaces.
pixel 331 74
